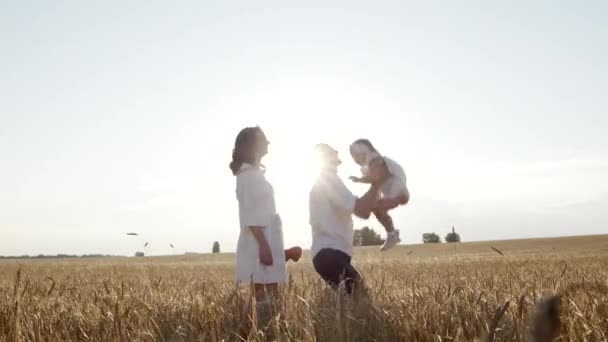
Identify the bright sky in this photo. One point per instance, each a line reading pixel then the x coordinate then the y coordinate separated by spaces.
pixel 120 116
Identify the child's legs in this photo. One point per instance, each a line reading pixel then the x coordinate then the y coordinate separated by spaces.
pixel 384 218
pixel 392 197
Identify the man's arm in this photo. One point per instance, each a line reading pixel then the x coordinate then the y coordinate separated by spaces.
pixel 364 179
pixel 366 203
pixel 341 197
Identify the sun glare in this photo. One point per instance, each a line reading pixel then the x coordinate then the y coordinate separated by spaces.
pixel 299 113
pixel 292 164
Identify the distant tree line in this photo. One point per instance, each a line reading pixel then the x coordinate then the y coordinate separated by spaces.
pixel 431 238
pixel 435 238
pixel 452 236
pixel 366 237
pixel 58 256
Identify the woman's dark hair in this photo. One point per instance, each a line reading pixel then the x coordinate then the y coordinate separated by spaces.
pixel 366 143
pixel 245 147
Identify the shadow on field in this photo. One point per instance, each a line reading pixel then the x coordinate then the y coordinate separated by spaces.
pixel 309 311
pixel 340 317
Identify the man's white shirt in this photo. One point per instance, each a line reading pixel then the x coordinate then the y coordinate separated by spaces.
pixel 331 207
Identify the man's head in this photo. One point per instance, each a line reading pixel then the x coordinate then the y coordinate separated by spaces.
pixel 327 157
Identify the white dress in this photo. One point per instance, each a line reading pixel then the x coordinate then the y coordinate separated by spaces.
pixel 257 208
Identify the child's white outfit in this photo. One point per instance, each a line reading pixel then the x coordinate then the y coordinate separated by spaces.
pixel 257 208
pixel 396 184
pixel 393 187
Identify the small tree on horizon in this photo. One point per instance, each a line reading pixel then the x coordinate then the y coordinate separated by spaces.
pixel 216 247
pixel 452 236
pixel 366 237
pixel 431 238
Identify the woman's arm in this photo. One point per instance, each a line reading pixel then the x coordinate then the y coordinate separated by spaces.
pixel 265 253
pixel 251 193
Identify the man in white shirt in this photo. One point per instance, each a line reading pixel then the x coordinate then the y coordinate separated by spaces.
pixel 331 208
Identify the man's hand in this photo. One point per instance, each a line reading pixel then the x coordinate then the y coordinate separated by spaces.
pixel 265 255
pixel 364 179
pixel 366 203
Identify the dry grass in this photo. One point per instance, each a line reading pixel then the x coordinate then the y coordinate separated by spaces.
pixel 462 292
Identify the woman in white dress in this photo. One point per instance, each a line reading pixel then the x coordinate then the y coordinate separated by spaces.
pixel 260 256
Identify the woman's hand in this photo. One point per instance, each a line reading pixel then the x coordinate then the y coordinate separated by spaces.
pixel 264 252
pixel 294 253
pixel 265 255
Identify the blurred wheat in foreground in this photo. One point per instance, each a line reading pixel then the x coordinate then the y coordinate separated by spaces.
pixel 422 293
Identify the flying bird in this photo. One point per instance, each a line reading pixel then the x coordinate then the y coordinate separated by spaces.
pixel 171 245
pixel 146 244
pixel 132 234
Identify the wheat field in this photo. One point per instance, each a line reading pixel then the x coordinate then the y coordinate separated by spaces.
pixel 483 291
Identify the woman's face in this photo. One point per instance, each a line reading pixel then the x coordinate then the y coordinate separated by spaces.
pixel 262 144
